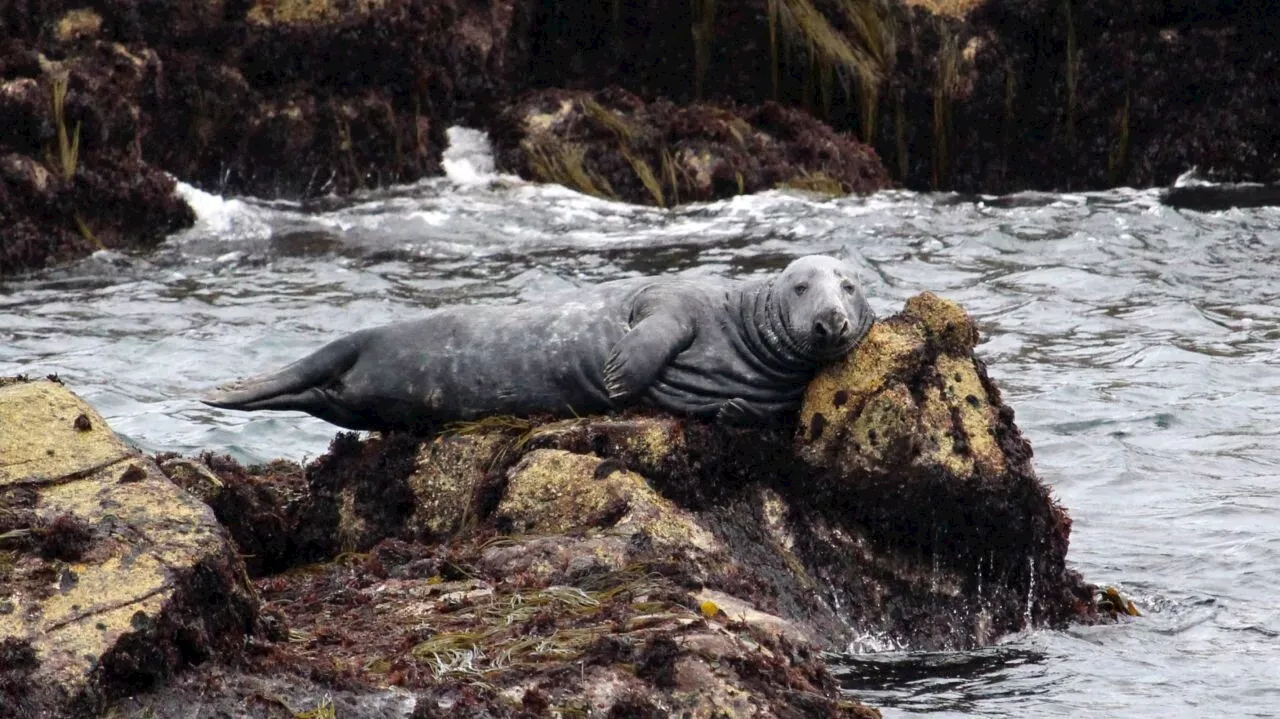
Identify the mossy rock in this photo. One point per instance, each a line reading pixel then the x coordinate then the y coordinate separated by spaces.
pixel 911 392
pixel 114 575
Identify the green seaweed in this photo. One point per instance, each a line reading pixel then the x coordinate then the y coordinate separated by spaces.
pixel 565 164
pixel 68 147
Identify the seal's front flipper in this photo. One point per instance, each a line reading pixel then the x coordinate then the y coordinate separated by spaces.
pixel 641 354
pixel 744 413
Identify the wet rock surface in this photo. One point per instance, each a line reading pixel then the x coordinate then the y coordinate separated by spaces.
pixel 630 565
pixel 73 178
pixel 292 99
pixel 996 96
pixel 111 578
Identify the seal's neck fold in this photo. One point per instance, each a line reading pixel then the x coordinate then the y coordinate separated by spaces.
pixel 765 332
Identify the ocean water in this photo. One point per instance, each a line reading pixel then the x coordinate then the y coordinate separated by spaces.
pixel 1139 346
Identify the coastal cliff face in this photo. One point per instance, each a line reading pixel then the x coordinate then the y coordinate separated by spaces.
pixel 636 564
pixel 105 103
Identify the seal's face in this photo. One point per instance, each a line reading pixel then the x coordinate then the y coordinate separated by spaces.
pixel 822 306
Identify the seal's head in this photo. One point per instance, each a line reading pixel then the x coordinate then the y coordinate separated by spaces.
pixel 822 306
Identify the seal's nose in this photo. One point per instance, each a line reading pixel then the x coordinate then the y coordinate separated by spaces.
pixel 832 325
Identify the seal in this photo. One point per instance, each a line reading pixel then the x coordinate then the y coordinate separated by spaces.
pixel 741 352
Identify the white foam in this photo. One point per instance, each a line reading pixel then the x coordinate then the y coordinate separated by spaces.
pixel 874 643
pixel 468 160
pixel 223 217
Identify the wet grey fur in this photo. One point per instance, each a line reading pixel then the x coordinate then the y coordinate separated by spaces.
pixel 742 352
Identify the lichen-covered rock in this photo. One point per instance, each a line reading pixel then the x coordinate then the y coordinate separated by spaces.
pixel 448 478
pixel 915 450
pixel 614 145
pixel 903 505
pixel 111 578
pixel 646 563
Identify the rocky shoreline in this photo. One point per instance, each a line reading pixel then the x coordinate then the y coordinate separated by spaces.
pixel 633 565
pixel 654 102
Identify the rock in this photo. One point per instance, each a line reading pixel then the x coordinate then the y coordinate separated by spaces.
pixel 264 518
pixel 607 566
pixel 71 158
pixel 857 525
pixel 912 443
pixel 292 99
pixel 614 145
pixel 112 578
pixel 77 24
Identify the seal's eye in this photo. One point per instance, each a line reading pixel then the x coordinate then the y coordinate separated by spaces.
pixel 847 287
pixel 802 288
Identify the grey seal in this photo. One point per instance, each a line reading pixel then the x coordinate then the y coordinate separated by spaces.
pixel 742 352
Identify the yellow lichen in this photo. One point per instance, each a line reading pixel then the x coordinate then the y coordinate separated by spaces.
pixel 655 443
pixel 966 395
pixel 53 441
pixel 552 491
pixel 886 419
pixel 448 471
pixel 844 386
pixel 944 321
pixel 938 430
pixel 78 23
pixel 40 440
pixel 269 12
pixel 861 410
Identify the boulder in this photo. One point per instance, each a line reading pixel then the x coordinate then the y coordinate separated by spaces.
pixel 111 578
pixel 632 564
pixel 614 145
pixel 73 179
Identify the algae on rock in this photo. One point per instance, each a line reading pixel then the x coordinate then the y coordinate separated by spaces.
pixel 116 578
pixel 903 503
pixel 647 562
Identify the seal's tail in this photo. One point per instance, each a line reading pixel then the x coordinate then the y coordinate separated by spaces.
pixel 295 387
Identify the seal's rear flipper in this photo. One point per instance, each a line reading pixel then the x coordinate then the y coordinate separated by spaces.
pixel 295 387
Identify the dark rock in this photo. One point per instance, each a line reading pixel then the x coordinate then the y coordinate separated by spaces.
pixel 634 565
pixel 614 145
pixel 74 176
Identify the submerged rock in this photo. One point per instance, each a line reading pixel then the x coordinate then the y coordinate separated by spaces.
pixel 111 578
pixel 614 145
